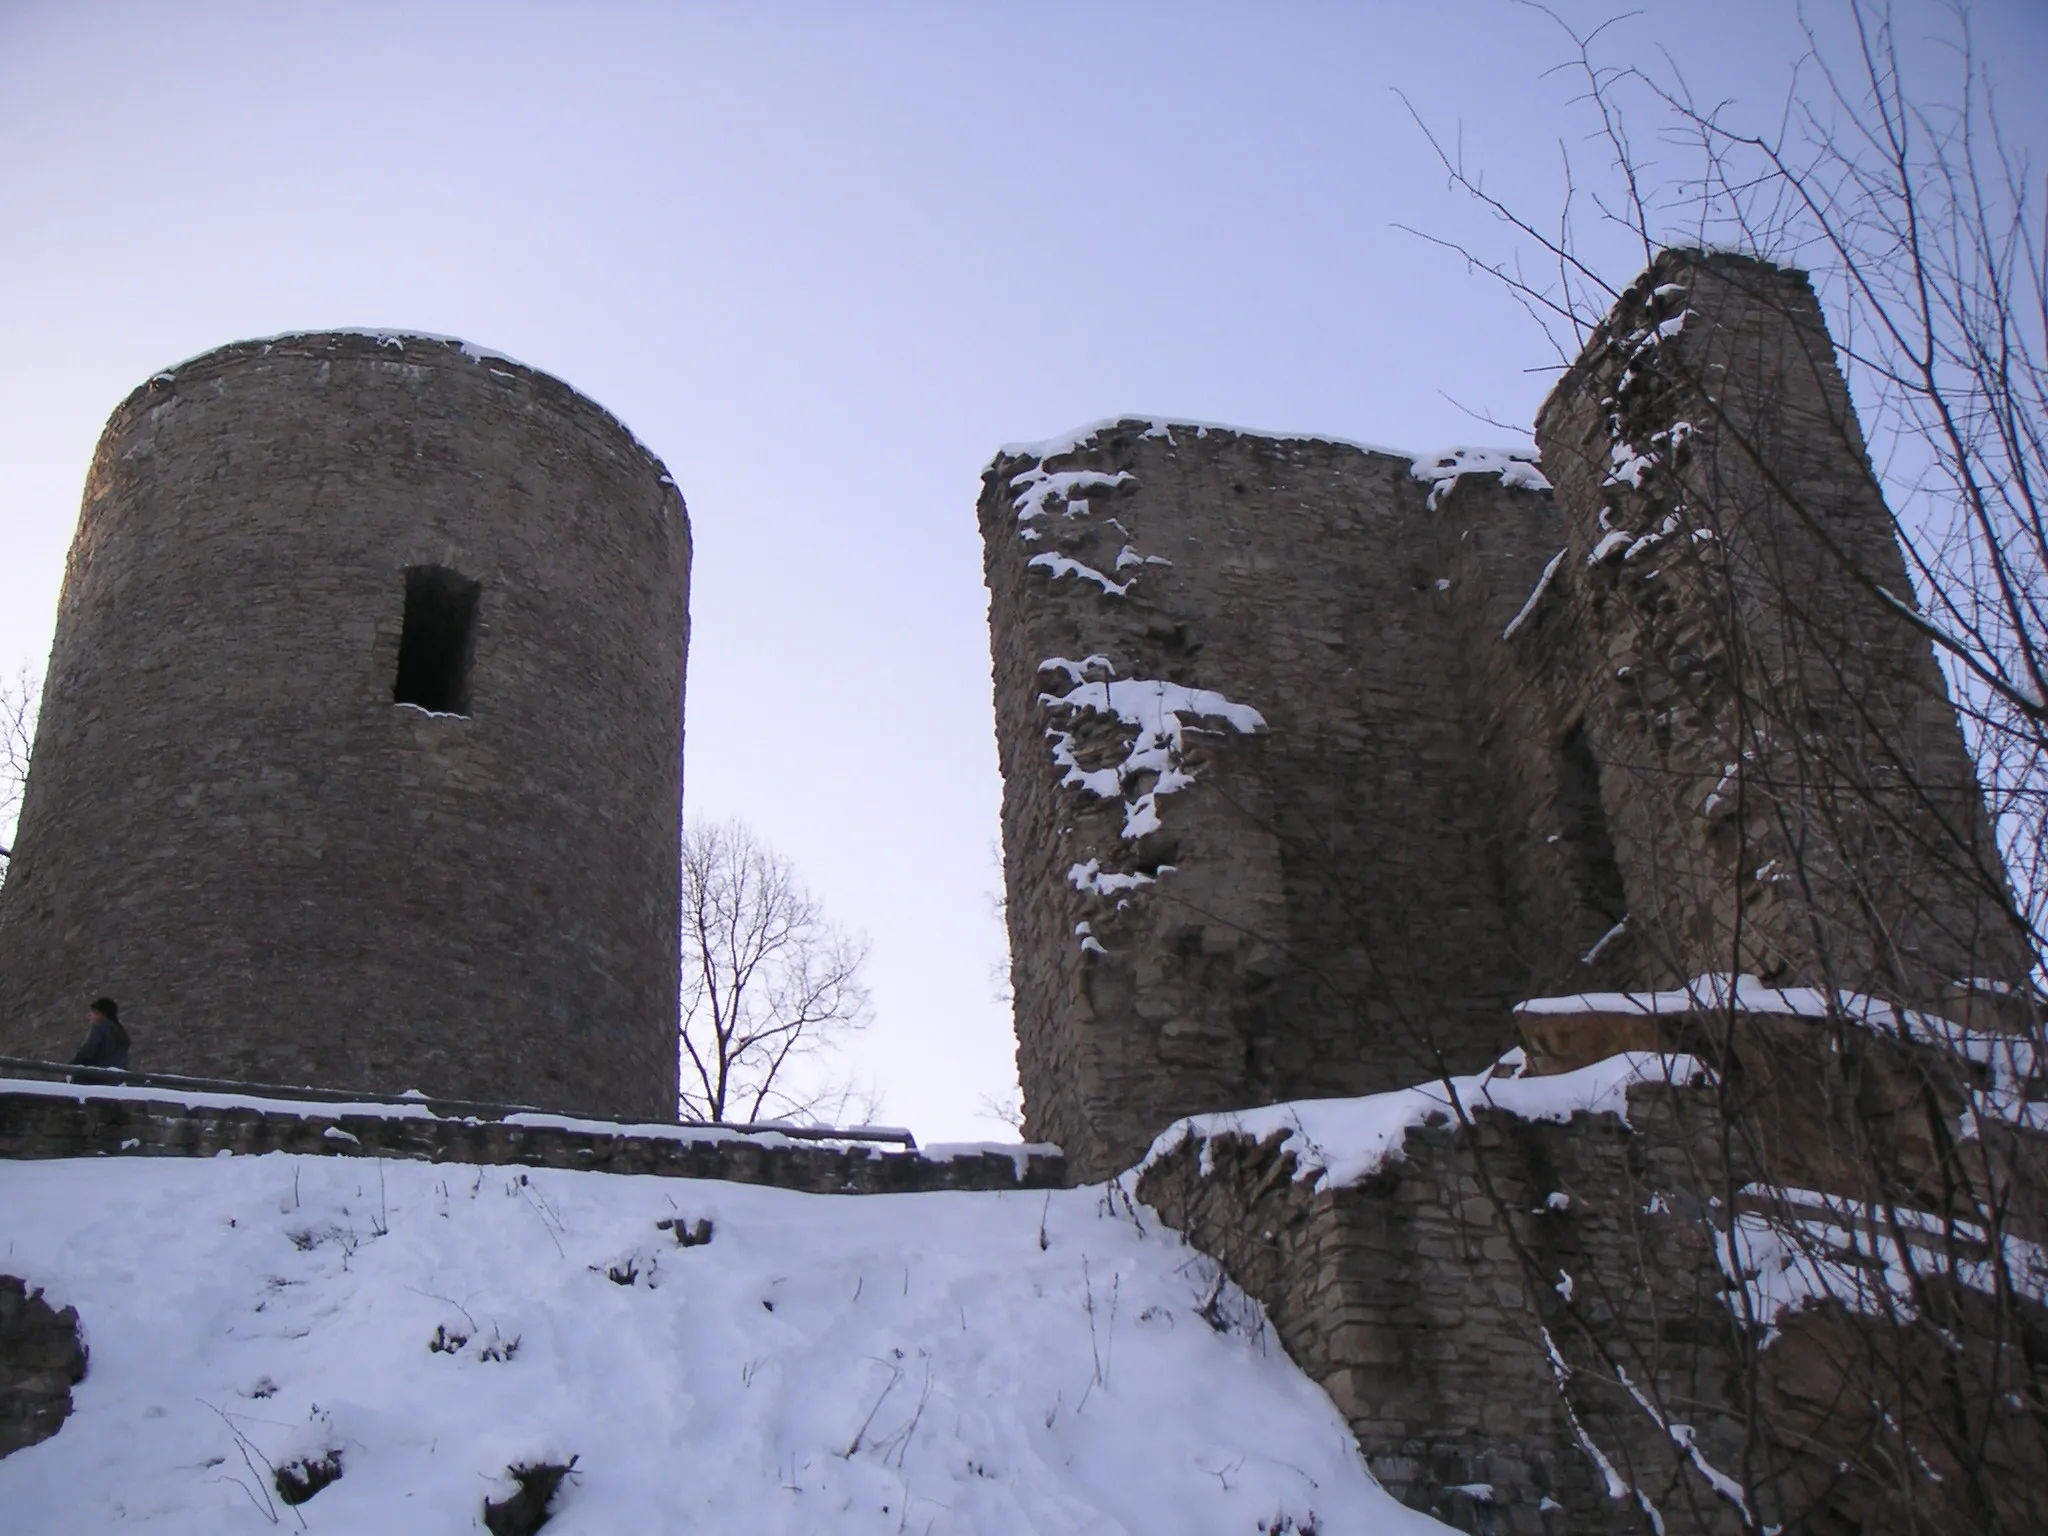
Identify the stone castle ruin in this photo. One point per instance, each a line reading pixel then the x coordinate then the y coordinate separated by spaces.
pixel 1318 759
pixel 1332 771
pixel 360 758
pixel 1491 908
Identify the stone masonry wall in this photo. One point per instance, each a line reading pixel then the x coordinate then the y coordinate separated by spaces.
pixel 1409 1298
pixel 279 873
pixel 45 1122
pixel 1250 850
pixel 1787 788
pixel 1315 758
pixel 1518 1306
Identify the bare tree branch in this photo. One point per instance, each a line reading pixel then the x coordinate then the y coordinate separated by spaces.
pixel 770 986
pixel 19 698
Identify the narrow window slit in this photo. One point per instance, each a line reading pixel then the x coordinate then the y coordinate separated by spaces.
pixel 1583 822
pixel 439 638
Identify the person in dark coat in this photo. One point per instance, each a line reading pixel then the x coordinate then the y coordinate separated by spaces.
pixel 106 1042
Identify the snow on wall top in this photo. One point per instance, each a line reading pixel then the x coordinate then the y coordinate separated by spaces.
pixel 1517 467
pixel 1340 1142
pixel 422 1109
pixel 383 335
pixel 1799 1247
pixel 2010 1059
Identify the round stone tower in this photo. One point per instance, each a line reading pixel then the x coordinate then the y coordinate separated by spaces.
pixel 360 761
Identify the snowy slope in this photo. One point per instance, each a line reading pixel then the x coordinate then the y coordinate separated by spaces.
pixel 873 1364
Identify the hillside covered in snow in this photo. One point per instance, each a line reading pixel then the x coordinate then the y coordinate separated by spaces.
pixel 989 1363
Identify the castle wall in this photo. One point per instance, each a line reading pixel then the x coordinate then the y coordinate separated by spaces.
pixel 1463 741
pixel 1669 722
pixel 1510 1313
pixel 44 1120
pixel 1237 744
pixel 1412 1298
pixel 280 873
pixel 1788 791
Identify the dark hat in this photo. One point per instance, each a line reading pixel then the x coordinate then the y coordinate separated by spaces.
pixel 108 1007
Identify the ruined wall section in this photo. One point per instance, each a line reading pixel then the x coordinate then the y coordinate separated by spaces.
pixel 1127 1004
pixel 1468 1381
pixel 1250 851
pixel 1542 1325
pixel 1779 755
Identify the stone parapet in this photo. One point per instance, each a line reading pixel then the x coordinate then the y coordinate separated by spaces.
pixel 1408 1296
pixel 1514 1313
pixel 41 1120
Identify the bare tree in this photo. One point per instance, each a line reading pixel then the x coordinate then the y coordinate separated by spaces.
pixel 770 985
pixel 18 701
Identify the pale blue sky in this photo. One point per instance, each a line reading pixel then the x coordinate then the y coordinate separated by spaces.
pixel 824 259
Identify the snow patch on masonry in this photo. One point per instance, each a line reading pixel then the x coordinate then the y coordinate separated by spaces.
pixel 1340 1142
pixel 1037 489
pixel 1629 462
pixel 1061 565
pixel 1443 469
pixel 1609 546
pixel 1536 596
pixel 1092 879
pixel 1805 1248
pixel 2010 1061
pixel 1159 711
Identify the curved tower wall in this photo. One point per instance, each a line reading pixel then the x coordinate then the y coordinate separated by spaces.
pixel 279 872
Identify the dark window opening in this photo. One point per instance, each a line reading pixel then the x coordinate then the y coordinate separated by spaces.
pixel 1582 820
pixel 439 637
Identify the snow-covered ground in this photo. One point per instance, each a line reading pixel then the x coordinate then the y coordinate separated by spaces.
pixel 984 1363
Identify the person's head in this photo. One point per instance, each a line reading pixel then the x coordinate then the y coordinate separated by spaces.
pixel 106 1008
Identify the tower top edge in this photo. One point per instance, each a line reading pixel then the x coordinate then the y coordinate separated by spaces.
pixel 390 344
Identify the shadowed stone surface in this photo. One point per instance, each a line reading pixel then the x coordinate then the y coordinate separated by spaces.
pixel 1780 765
pixel 41 1360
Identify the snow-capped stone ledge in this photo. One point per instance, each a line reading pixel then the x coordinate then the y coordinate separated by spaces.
pixel 1339 1142
pixel 1566 1032
pixel 1386 1241
pixel 46 1120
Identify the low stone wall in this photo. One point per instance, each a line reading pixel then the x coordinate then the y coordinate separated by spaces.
pixel 1409 1298
pixel 40 1120
pixel 1531 1325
